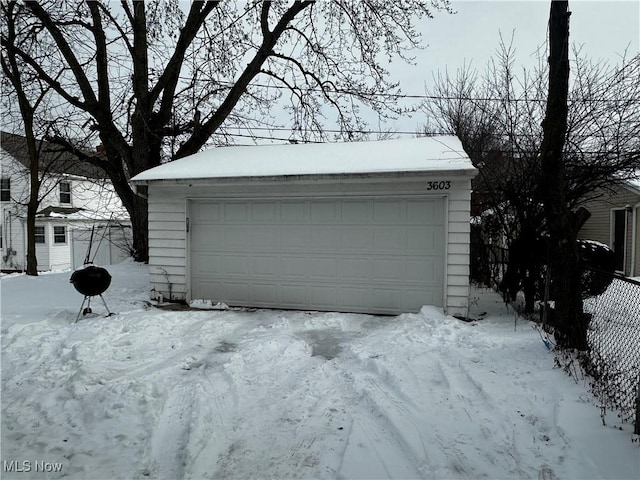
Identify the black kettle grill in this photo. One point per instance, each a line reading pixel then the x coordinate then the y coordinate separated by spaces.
pixel 91 281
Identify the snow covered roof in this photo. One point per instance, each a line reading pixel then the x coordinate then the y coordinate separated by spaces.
pixel 75 214
pixel 52 157
pixel 424 154
pixel 635 182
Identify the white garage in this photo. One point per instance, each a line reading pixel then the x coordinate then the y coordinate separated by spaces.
pixel 373 227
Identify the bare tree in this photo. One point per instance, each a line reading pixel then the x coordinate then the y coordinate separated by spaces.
pixel 499 115
pixel 152 83
pixel 30 94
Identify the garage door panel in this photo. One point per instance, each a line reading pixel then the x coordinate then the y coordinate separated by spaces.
pixel 323 267
pixel 264 212
pixel 206 264
pixel 424 240
pixel 264 266
pixel 264 238
pixel 211 288
pixel 294 212
pixel 388 269
pixel 236 292
pixel 293 295
pixel 428 270
pixel 418 298
pixel 236 265
pixel 236 212
pixel 234 238
pixel 356 212
pixel 324 212
pixel 421 213
pixel 356 239
pixel 206 237
pixel 382 298
pixel 350 254
pixel 389 211
pixel 294 238
pixel 351 298
pixel 206 212
pixel 323 239
pixel 265 295
pixel 387 239
pixel 293 267
pixel 355 269
pixel 321 296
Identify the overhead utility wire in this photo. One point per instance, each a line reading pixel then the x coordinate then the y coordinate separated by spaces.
pixel 435 97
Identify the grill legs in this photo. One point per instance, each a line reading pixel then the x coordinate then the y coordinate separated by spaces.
pixel 87 300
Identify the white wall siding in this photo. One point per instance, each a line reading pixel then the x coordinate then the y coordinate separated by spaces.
pixel 458 249
pixel 167 243
pixel 598 226
pixel 168 209
pixel 60 253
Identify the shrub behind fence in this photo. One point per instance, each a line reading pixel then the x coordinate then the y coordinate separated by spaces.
pixel 488 264
pixel 614 340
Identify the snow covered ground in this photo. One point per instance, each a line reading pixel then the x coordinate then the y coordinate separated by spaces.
pixel 151 393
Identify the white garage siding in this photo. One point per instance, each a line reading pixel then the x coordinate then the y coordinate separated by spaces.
pixel 169 242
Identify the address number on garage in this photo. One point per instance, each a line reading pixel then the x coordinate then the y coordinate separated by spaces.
pixel 439 185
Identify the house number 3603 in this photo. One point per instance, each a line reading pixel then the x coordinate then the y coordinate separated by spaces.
pixel 442 185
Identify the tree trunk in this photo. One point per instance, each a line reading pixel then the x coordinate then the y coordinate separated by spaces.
pixel 139 224
pixel 564 260
pixel 32 261
pixel 34 190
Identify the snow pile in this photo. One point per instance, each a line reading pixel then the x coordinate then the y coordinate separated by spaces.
pixel 272 394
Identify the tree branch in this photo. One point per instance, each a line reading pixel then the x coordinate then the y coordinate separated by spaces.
pixel 253 68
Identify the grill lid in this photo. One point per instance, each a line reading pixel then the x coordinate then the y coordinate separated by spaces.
pixel 91 280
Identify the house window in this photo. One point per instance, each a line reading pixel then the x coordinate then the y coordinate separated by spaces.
pixel 39 234
pixel 59 234
pixel 5 189
pixel 65 192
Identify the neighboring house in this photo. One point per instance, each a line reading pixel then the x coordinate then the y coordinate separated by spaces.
pixel 374 227
pixel 615 221
pixel 75 199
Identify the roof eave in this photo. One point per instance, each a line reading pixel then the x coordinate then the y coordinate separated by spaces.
pixel 364 176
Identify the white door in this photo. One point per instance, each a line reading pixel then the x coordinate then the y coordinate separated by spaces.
pixel 351 254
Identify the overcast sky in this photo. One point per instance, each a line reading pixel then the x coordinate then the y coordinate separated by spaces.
pixel 604 29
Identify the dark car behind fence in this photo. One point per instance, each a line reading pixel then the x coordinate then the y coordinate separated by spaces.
pixel 614 341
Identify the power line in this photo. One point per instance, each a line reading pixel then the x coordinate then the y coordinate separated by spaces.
pixel 399 96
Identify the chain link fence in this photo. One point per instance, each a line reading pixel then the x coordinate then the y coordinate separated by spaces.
pixel 614 341
pixel 613 360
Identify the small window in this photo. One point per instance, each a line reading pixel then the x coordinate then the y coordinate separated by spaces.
pixel 5 189
pixel 59 234
pixel 65 192
pixel 39 234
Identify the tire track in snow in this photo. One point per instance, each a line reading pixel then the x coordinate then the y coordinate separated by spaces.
pixel 468 399
pixel 216 404
pixel 171 435
pixel 377 438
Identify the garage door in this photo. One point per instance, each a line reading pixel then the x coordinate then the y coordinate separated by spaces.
pixel 372 255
